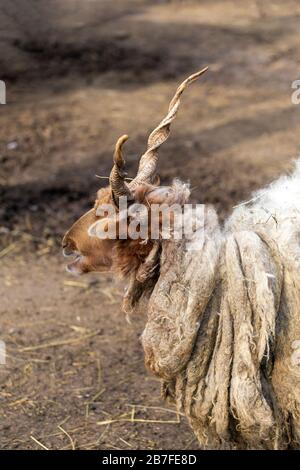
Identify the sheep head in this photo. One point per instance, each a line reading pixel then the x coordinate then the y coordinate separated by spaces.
pixel 134 257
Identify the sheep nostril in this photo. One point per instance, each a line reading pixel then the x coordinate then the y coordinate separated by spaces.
pixel 69 247
pixel 65 243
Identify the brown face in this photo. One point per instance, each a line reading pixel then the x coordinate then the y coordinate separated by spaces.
pixel 90 253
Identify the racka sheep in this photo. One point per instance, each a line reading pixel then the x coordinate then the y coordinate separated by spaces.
pixel 223 324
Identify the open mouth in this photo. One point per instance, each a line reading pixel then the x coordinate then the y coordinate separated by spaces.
pixel 73 267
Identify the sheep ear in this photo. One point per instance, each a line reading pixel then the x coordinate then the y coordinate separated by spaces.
pixel 160 195
pixel 178 193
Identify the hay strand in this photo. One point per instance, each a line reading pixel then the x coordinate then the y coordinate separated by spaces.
pixel 39 443
pixel 68 436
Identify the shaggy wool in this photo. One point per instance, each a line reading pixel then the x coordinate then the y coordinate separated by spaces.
pixel 223 328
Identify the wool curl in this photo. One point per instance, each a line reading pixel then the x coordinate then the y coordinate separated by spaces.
pixel 223 327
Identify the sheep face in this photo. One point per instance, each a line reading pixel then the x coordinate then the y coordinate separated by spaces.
pixel 89 253
pixel 124 253
pixel 94 254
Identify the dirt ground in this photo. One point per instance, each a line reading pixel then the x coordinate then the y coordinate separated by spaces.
pixel 89 72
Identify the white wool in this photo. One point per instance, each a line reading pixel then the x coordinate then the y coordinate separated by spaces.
pixel 223 329
pixel 274 212
pixel 281 198
pixel 282 195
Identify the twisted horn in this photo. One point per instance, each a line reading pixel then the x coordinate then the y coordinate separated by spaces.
pixel 148 161
pixel 117 176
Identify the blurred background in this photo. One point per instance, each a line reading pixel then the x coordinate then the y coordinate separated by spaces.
pixel 78 75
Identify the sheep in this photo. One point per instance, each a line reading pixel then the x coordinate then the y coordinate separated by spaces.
pixel 223 329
